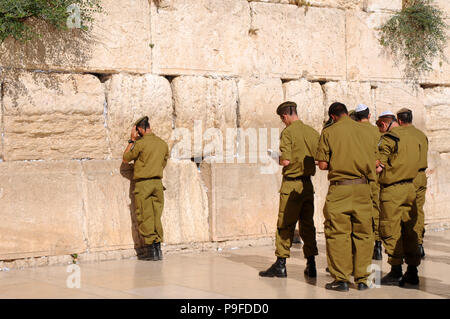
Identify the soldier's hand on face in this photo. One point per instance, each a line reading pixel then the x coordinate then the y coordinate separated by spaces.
pixel 284 163
pixel 134 133
pixel 379 169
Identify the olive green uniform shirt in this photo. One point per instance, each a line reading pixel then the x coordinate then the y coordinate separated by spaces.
pixel 423 140
pixel 150 154
pixel 375 133
pixel 349 149
pixel 400 154
pixel 298 145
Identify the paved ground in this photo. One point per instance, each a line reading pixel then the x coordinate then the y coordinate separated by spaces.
pixel 226 274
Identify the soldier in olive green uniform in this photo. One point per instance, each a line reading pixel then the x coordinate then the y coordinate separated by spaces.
pixel 298 145
pixel 405 118
pixel 348 151
pixel 362 114
pixel 150 154
pixel 399 164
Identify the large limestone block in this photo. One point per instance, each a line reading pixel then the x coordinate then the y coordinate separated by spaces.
pixel 199 36
pixel 321 184
pixel 258 102
pixel 437 196
pixel 310 101
pixel 382 5
pixel 185 215
pixel 41 208
pixel 441 68
pixel 396 95
pixel 366 58
pixel 349 93
pixel 53 116
pixel 437 118
pixel 109 205
pixel 242 202
pixel 118 41
pixel 290 41
pixel 206 107
pixel 345 4
pixel 130 97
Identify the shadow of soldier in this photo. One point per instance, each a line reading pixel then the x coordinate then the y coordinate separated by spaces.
pixel 126 170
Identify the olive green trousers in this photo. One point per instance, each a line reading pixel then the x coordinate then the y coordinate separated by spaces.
pixel 149 202
pixel 348 227
pixel 420 184
pixel 398 220
pixel 375 189
pixel 296 204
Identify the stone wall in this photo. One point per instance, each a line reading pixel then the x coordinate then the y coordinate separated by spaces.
pixel 68 101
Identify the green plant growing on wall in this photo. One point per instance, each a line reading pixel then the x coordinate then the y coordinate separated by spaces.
pixel 16 16
pixel 416 36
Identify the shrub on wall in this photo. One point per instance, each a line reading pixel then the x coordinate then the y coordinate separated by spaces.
pixel 416 36
pixel 15 16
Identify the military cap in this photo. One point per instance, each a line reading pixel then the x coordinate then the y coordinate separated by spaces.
pixel 140 120
pixel 361 107
pixel 285 105
pixel 404 110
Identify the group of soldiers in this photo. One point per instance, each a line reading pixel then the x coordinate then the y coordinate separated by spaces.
pixel 376 193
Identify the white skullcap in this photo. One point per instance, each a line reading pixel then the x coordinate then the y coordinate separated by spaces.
pixel 361 107
pixel 387 113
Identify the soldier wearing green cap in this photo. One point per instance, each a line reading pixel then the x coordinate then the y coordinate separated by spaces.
pixel 150 154
pixel 400 158
pixel 405 118
pixel 298 145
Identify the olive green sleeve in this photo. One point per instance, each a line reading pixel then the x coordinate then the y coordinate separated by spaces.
pixel 286 146
pixel 314 143
pixel 385 148
pixel 133 154
pixel 323 150
pixel 166 157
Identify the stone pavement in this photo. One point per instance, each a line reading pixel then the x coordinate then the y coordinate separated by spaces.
pixel 231 273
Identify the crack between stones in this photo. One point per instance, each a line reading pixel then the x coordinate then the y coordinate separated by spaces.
pixel 84 208
pixel 2 120
pixel 105 124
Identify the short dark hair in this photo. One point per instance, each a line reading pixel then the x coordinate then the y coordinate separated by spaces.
pixel 362 115
pixel 337 109
pixel 144 124
pixel 405 117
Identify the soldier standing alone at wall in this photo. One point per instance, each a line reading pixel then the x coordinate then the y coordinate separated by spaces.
pixel 362 115
pixel 405 118
pixel 399 163
pixel 347 150
pixel 150 155
pixel 297 147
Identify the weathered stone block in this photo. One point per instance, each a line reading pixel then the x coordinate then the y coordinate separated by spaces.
pixel 242 201
pixel 366 58
pixel 118 41
pixel 437 195
pixel 41 208
pixel 53 116
pixel 201 104
pixel 130 97
pixel 349 93
pixel 185 215
pixel 290 41
pixel 382 5
pixel 199 37
pixel 310 101
pixel 396 95
pixel 441 68
pixel 344 4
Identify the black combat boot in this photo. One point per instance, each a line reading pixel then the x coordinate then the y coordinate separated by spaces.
pixel 421 251
pixel 337 285
pixel 410 277
pixel 159 253
pixel 310 269
pixel 362 286
pixel 152 253
pixel 377 251
pixel 393 277
pixel 278 269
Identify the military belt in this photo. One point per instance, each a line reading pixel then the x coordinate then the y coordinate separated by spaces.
pixel 146 179
pixel 350 182
pixel 405 181
pixel 302 178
